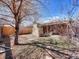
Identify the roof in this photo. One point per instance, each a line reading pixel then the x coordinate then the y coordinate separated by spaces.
pixel 54 22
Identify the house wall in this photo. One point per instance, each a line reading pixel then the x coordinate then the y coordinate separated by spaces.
pixel 7 30
pixel 58 29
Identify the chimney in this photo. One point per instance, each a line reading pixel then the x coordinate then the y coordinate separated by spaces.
pixel 35 30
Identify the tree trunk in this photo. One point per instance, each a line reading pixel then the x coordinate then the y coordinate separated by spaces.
pixel 16 33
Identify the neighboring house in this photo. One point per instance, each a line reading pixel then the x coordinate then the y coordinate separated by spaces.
pixel 8 30
pixel 25 30
pixel 59 28
pixel 54 28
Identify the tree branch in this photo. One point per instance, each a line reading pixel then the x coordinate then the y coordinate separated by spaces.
pixel 6 15
pixel 7 21
pixel 7 6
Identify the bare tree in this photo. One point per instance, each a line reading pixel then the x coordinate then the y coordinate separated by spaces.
pixel 19 10
pixel 71 14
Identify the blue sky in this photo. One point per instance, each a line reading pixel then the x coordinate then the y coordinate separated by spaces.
pixel 57 8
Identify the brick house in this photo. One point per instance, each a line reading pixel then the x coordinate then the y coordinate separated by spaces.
pixel 54 28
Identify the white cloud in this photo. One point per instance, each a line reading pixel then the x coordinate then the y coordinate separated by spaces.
pixel 49 19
